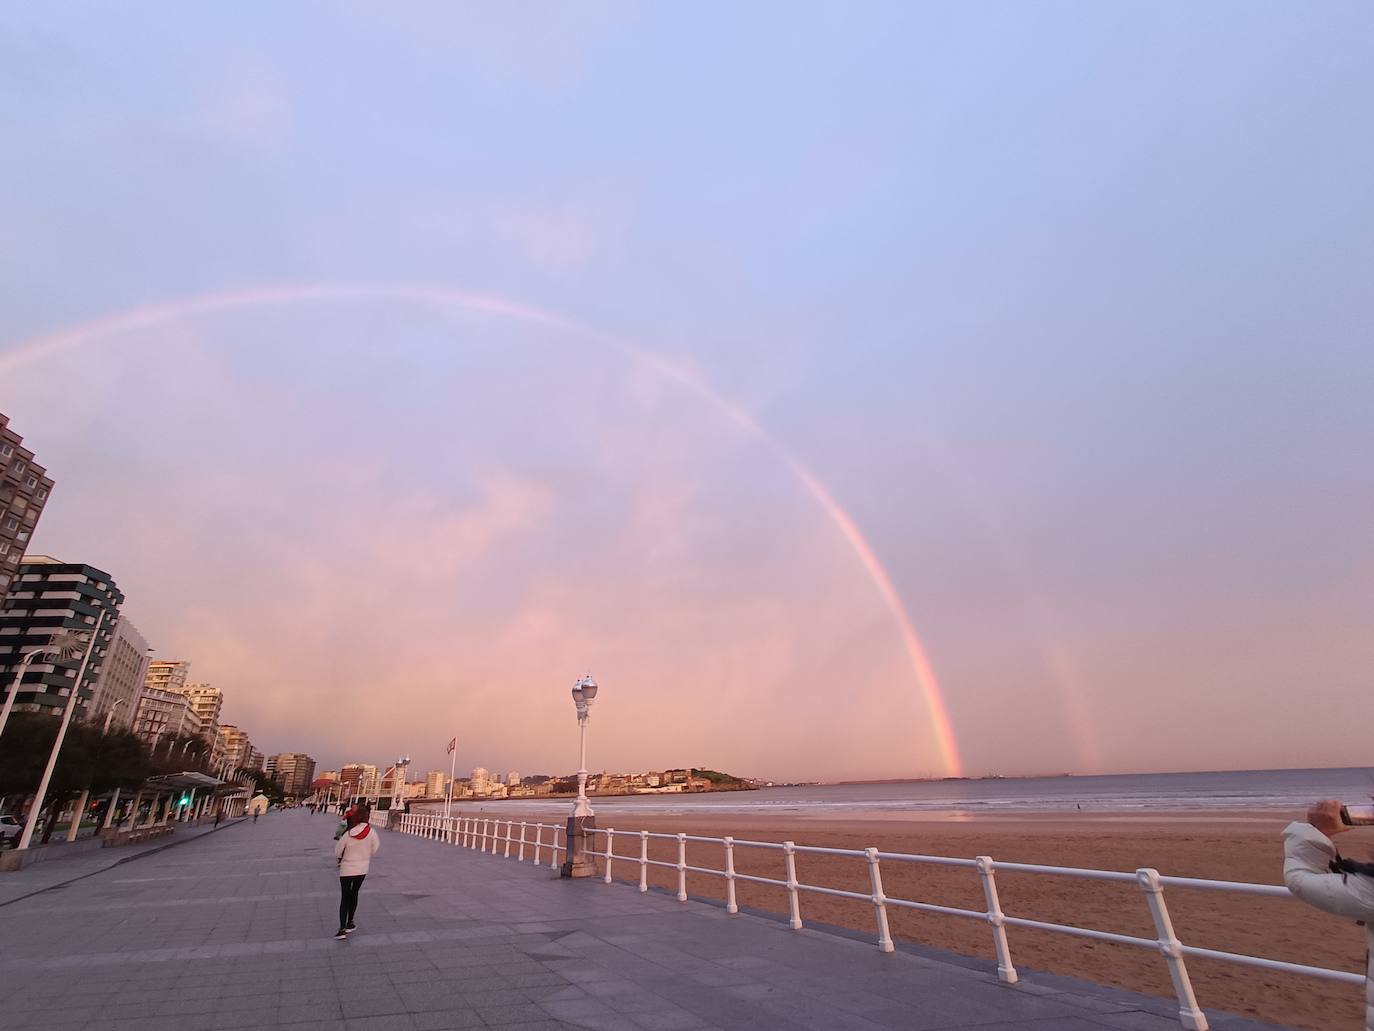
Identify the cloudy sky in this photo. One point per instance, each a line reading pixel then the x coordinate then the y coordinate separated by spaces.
pixel 402 365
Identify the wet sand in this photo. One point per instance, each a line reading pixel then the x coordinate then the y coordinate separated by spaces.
pixel 1224 846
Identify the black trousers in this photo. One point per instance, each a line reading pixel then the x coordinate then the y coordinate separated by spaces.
pixel 348 898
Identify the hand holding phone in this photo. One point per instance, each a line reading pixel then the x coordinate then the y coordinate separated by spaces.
pixel 1357 815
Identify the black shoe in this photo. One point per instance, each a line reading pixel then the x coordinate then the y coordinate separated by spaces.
pixel 350 927
pixel 341 935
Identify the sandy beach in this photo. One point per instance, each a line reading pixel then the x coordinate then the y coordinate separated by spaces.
pixel 1224 846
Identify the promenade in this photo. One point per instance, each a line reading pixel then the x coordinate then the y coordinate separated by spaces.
pixel 234 929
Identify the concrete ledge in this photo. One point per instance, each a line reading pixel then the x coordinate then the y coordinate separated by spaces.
pixel 14 859
pixel 114 837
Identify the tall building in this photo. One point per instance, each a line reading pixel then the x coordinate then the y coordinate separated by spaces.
pixel 46 597
pixel 121 677
pixel 481 781
pixel 358 778
pixel 236 746
pixel 436 784
pixel 253 758
pixel 294 771
pixel 168 674
pixel 164 715
pixel 24 489
pixel 513 779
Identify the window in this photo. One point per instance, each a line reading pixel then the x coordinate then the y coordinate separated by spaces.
pixel 6 451
pixel 42 494
pixel 11 523
pixel 19 466
pixel 4 547
pixel 31 482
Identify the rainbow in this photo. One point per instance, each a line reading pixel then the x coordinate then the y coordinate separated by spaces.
pixel 150 315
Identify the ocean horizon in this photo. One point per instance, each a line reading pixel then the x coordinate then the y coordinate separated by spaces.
pixel 1239 790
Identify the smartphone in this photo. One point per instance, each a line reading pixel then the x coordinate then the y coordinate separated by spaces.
pixel 1357 815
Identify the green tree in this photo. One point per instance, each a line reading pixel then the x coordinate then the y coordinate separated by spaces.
pixel 89 760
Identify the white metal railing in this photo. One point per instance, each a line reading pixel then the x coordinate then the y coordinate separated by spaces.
pixel 484 834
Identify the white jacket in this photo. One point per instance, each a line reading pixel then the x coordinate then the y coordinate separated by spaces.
pixel 356 848
pixel 1307 855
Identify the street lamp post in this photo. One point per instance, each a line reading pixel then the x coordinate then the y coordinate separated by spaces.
pixel 579 862
pixel 36 809
pixel 65 645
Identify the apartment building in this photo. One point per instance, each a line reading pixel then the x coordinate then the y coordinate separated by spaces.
pixel 122 674
pixel 47 597
pixel 294 771
pixel 24 490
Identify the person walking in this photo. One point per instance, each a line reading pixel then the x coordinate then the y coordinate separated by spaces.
pixel 354 849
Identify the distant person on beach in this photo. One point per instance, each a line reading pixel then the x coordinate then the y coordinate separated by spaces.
pixel 1317 873
pixel 354 851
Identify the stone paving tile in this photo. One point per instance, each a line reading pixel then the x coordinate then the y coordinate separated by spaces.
pixel 234 930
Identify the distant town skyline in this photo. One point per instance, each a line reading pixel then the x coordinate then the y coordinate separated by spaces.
pixel 977 389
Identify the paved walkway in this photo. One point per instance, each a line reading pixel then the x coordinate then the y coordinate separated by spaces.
pixel 41 876
pixel 234 929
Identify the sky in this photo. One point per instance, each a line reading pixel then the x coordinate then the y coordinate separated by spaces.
pixel 857 391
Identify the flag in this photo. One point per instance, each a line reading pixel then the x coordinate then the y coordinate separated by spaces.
pixel 452 745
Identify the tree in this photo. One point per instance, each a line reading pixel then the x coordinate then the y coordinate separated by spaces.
pixel 89 760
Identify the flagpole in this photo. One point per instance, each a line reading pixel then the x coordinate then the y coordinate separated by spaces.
pixel 452 769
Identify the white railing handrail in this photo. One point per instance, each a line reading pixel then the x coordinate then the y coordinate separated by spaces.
pixel 484 834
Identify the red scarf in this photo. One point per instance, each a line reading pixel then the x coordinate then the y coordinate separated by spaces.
pixel 367 829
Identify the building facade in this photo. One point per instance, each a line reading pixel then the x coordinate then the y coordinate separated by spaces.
pixel 294 771
pixel 48 597
pixel 163 716
pixel 122 674
pixel 480 782
pixel 24 490
pixel 358 778
pixel 168 674
pixel 234 745
pixel 436 784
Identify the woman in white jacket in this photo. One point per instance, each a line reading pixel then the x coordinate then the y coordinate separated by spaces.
pixel 1315 872
pixel 354 850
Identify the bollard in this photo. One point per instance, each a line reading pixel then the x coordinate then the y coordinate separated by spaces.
pixel 610 851
pixel 875 881
pixel 682 868
pixel 1189 1015
pixel 789 851
pixel 643 860
pixel 731 906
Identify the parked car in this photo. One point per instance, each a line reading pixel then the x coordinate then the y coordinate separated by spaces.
pixel 10 829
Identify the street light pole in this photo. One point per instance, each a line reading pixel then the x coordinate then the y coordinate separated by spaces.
pixel 110 715
pixel 59 644
pixel 579 862
pixel 37 808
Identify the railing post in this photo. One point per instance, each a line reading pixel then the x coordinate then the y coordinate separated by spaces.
pixel 643 860
pixel 789 851
pixel 610 851
pixel 510 827
pixel 486 834
pixel 538 841
pixel 731 906
pixel 553 850
pixel 1189 1015
pixel 875 882
pixel 453 831
pixel 1005 971
pixel 521 858
pixel 682 867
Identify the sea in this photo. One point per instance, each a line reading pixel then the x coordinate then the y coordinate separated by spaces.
pixel 1241 792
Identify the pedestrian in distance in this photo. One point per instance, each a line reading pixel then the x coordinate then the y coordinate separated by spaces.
pixel 354 851
pixel 218 815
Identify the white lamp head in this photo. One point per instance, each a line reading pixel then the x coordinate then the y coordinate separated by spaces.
pixel 589 687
